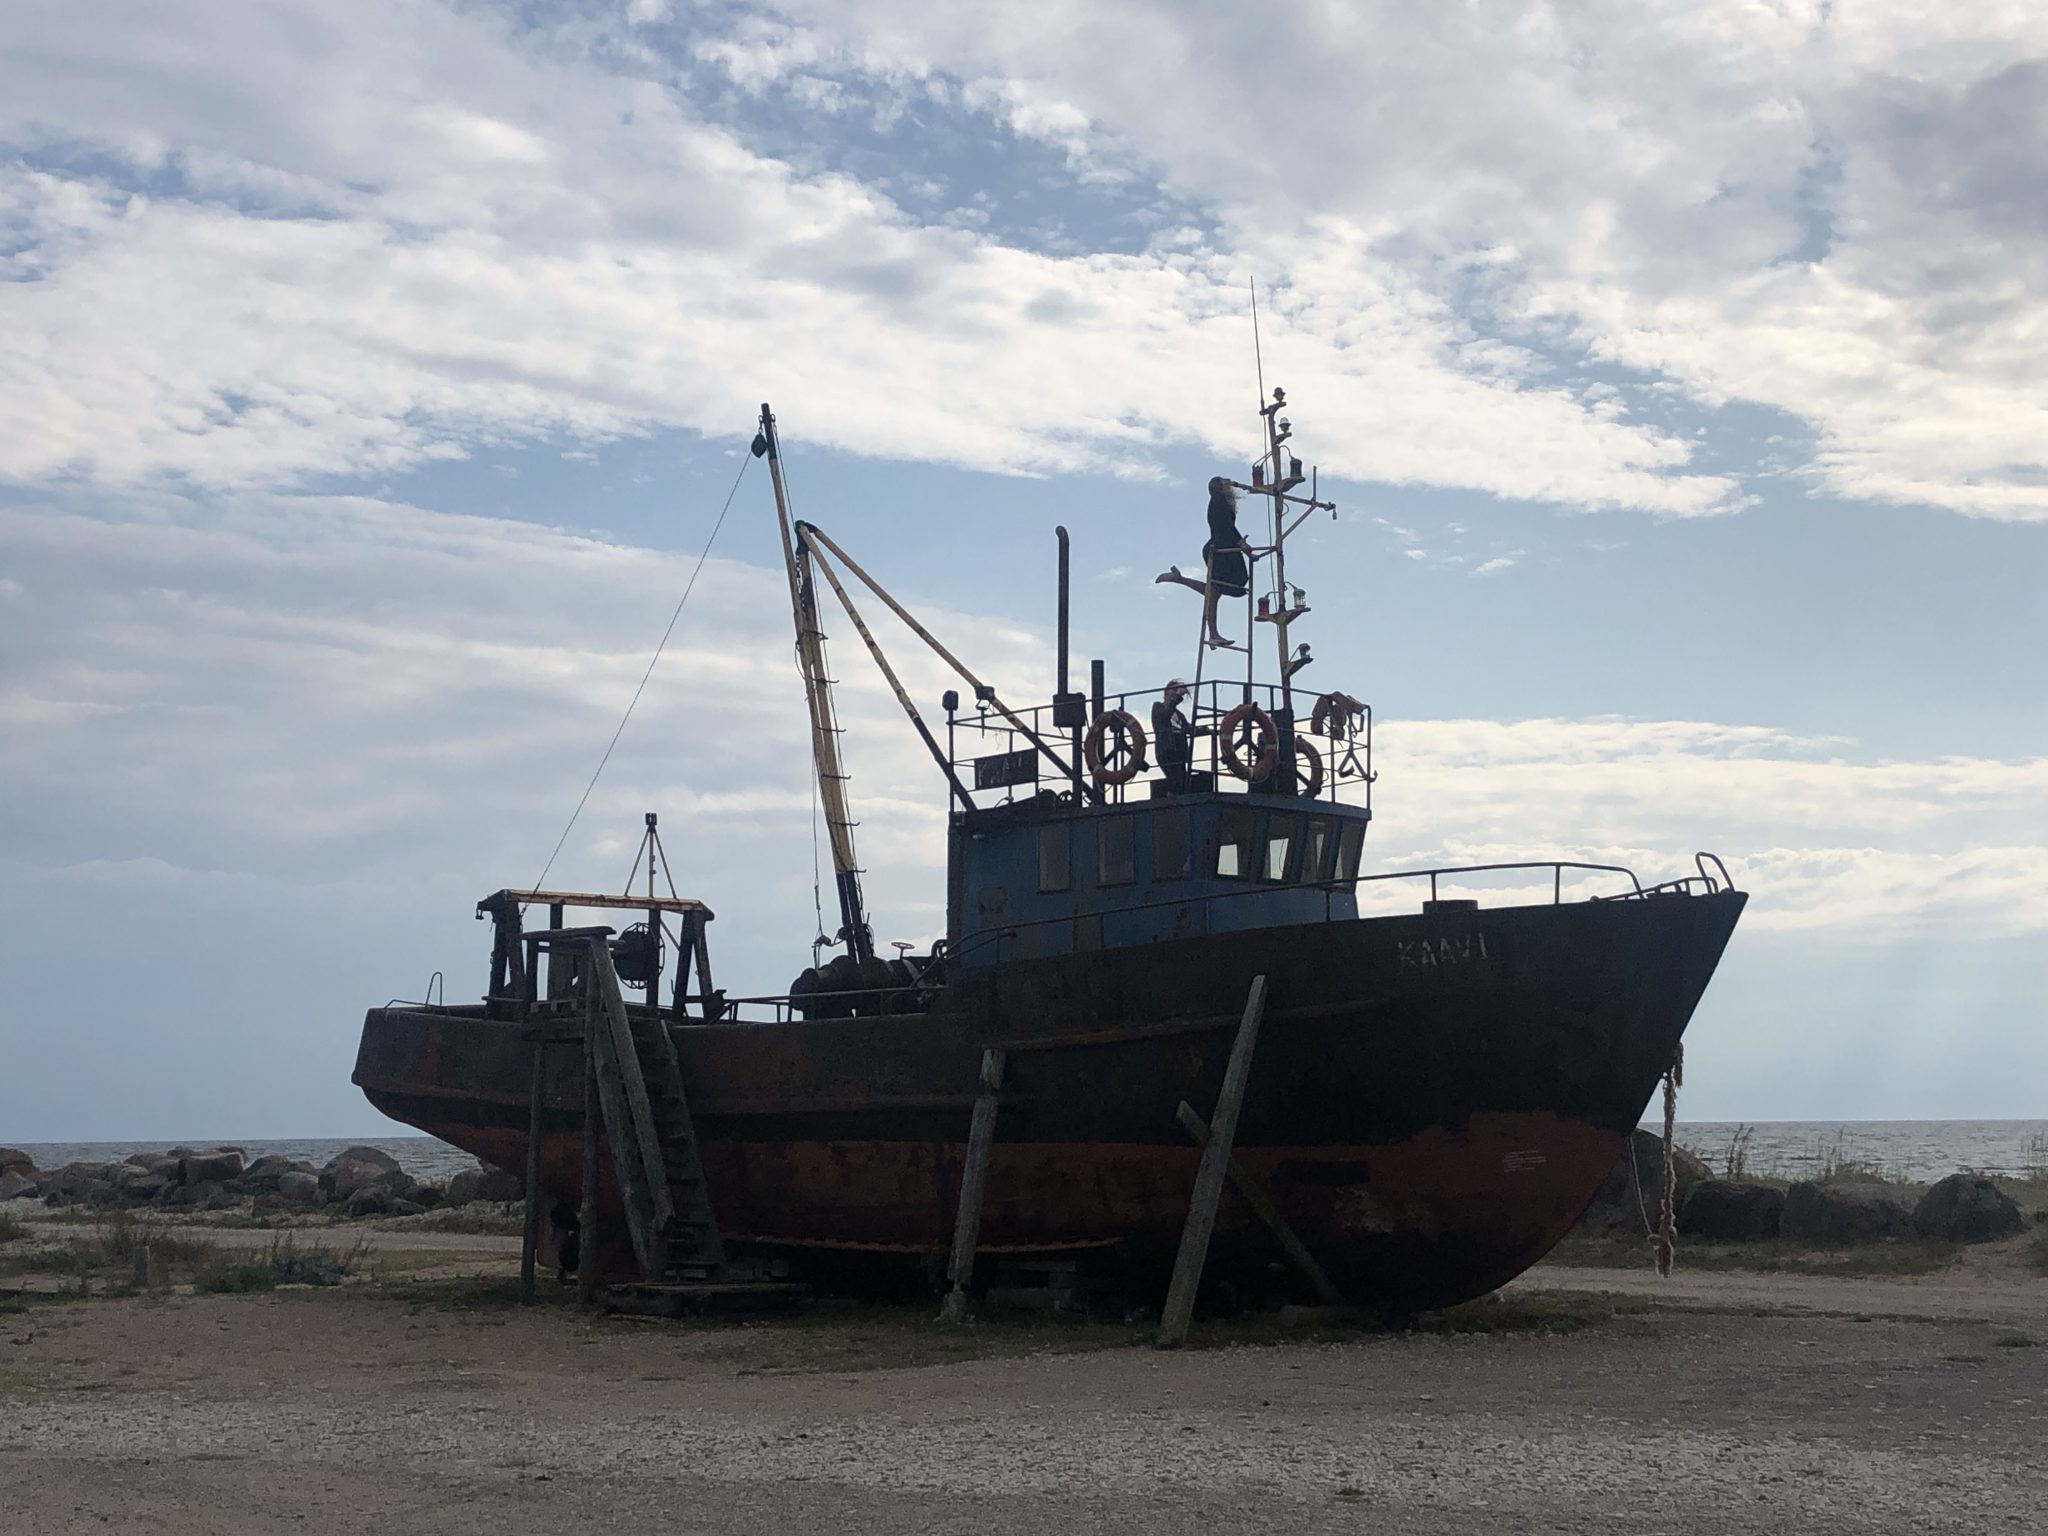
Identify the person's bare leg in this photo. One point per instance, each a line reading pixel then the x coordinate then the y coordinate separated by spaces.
pixel 1210 632
pixel 1171 576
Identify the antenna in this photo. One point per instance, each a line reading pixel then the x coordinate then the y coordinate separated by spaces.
pixel 1258 356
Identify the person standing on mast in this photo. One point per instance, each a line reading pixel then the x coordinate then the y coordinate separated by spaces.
pixel 1225 559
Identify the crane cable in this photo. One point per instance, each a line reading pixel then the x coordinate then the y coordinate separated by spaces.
pixel 661 645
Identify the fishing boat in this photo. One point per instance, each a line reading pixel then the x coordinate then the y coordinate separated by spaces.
pixel 1446 1064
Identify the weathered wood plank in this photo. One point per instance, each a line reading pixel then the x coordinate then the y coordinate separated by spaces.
pixel 981 1138
pixel 1201 1224
pixel 1262 1206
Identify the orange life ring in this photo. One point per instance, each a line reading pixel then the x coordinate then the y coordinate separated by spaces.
pixel 1335 712
pixel 1265 733
pixel 1130 745
pixel 1308 774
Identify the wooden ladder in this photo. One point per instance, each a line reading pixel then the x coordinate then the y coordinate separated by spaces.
pixel 653 1139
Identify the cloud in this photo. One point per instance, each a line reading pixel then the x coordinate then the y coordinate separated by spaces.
pixel 516 235
pixel 1833 212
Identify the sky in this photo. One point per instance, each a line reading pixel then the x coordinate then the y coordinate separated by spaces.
pixel 373 377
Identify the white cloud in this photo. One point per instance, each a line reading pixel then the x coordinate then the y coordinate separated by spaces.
pixel 1832 211
pixel 364 266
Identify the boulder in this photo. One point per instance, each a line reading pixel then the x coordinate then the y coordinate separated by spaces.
pixel 15 1185
pixel 1627 1198
pixel 1729 1212
pixel 209 1167
pixel 144 1187
pixel 299 1188
pixel 1845 1213
pixel 14 1160
pixel 342 1179
pixel 261 1177
pixel 370 1155
pixel 407 1208
pixel 474 1184
pixel 370 1200
pixel 1967 1208
pixel 200 1196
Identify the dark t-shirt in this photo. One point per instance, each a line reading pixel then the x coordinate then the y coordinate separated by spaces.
pixel 1171 733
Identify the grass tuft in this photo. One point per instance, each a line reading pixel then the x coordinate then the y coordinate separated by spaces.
pixel 12 1228
pixel 285 1264
pixel 1771 1257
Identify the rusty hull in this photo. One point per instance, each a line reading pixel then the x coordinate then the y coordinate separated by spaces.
pixel 1434 1099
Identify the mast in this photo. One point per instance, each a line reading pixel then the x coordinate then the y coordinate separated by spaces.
pixel 810 651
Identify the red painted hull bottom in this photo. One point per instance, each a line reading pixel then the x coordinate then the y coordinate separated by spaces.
pixel 1423 1223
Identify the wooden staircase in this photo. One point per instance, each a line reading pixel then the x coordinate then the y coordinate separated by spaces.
pixel 644 1115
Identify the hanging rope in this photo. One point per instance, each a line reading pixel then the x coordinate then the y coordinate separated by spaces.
pixel 691 586
pixel 1667 1215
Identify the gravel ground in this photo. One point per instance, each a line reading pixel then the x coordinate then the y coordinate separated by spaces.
pixel 342 1411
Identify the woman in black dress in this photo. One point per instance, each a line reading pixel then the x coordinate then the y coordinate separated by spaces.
pixel 1224 558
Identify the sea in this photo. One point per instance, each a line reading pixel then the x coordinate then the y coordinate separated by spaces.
pixel 1921 1150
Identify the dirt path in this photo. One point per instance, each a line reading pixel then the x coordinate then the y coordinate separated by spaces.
pixel 358 1412
pixel 2005 1297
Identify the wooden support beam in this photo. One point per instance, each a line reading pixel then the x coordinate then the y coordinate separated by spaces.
pixel 1209 1177
pixel 593 1114
pixel 981 1138
pixel 530 1240
pixel 1262 1206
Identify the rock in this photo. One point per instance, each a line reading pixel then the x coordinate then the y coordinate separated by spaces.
pixel 144 1187
pixel 1845 1213
pixel 1627 1198
pixel 261 1177
pixel 209 1167
pixel 370 1200
pixel 407 1208
pixel 341 1180
pixel 368 1155
pixel 1729 1212
pixel 198 1196
pixel 14 1160
pixel 299 1188
pixel 177 1153
pixel 493 1184
pixel 1967 1208
pixel 15 1185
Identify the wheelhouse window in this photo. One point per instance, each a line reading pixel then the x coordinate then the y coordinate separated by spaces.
pixel 1236 832
pixel 1055 857
pixel 1116 850
pixel 1282 833
pixel 1349 847
pixel 1170 843
pixel 1318 851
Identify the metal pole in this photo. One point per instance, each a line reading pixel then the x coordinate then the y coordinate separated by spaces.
pixel 888 672
pixel 943 654
pixel 818 697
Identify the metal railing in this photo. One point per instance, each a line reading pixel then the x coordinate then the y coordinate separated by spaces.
pixel 933 978
pixel 981 743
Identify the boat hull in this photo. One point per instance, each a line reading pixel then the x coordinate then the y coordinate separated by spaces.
pixel 1433 1099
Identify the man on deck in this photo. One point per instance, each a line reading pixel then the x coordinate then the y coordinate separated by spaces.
pixel 1172 736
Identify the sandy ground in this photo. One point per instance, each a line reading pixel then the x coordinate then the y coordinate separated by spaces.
pixel 352 1411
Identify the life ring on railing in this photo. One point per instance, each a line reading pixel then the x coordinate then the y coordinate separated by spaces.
pixel 1337 715
pixel 1308 769
pixel 1118 761
pixel 1251 758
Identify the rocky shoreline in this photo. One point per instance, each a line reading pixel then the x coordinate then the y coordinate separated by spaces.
pixel 1963 1208
pixel 358 1182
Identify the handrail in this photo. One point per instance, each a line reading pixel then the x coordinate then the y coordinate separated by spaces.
pixel 1208 704
pixel 996 933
